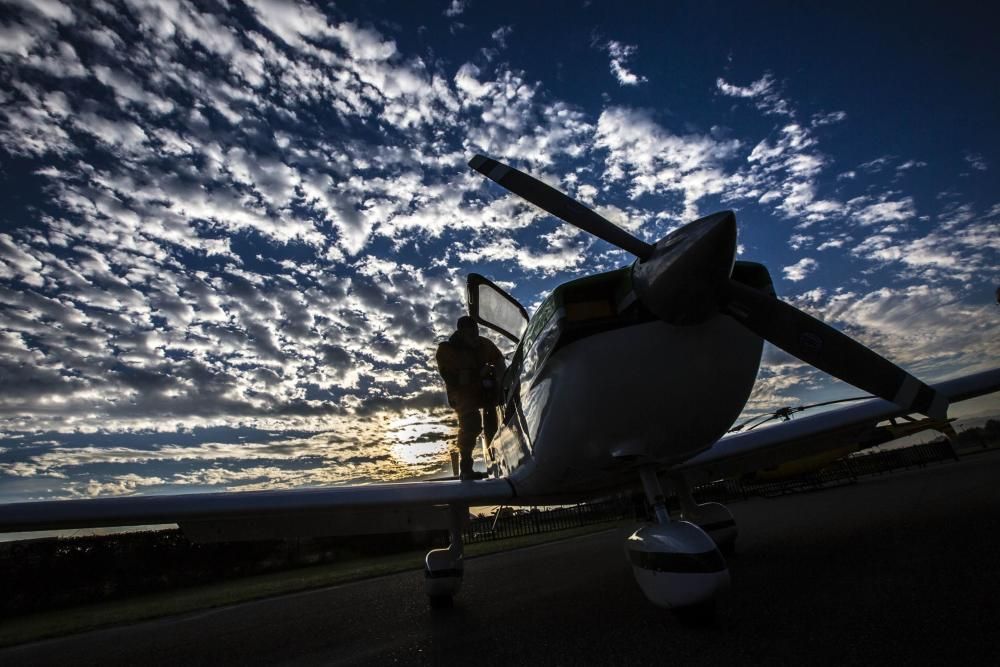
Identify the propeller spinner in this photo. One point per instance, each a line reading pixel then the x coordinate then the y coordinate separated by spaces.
pixel 685 278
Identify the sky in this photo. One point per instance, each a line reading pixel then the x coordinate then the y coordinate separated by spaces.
pixel 233 232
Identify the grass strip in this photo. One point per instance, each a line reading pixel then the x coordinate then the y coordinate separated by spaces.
pixel 57 623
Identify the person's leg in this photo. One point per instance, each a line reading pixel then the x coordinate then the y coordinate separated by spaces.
pixel 470 423
pixel 489 423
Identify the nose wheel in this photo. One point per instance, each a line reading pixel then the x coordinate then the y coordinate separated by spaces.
pixel 676 564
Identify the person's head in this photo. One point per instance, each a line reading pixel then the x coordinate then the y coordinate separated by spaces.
pixel 468 329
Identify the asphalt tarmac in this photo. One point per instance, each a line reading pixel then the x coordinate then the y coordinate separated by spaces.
pixel 901 569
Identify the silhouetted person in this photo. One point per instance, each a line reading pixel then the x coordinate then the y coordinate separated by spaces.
pixel 471 366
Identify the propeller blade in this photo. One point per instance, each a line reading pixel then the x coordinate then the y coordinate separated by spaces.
pixel 560 205
pixel 685 279
pixel 829 350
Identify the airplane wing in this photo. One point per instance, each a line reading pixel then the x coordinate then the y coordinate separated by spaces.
pixel 761 448
pixel 278 513
pixel 402 506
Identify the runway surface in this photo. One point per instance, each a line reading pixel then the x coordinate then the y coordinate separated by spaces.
pixel 902 569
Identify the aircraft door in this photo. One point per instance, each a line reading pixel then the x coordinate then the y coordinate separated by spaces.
pixel 492 307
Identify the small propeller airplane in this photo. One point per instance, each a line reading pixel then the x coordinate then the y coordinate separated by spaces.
pixel 623 379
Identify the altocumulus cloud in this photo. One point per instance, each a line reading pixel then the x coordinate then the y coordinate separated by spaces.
pixel 259 220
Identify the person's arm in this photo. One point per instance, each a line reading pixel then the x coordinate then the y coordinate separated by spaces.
pixel 496 358
pixel 447 366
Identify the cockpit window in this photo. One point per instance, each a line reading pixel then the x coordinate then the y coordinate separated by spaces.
pixel 540 319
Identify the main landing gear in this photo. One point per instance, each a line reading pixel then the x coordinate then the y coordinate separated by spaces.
pixel 676 563
pixel 443 568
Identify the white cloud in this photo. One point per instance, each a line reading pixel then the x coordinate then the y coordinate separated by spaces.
pixel 876 165
pixel 14 39
pixel 123 134
pixel 19 264
pixel 976 161
pixel 957 250
pixel 783 170
pixel 758 88
pixel 50 9
pixel 656 161
pixel 363 44
pixel 620 54
pixel 501 34
pixel 455 8
pixel 563 250
pixel 832 243
pixel 800 269
pixel 121 486
pixel 466 78
pixel 899 210
pixel 764 92
pixel 925 328
pixel 291 21
pixel 828 118
pixel 796 241
pixel 127 88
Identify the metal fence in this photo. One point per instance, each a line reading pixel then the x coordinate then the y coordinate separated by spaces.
pixel 510 522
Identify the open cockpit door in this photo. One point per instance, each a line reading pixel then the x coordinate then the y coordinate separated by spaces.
pixel 492 307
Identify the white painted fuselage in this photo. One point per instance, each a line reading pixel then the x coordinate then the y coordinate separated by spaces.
pixel 603 404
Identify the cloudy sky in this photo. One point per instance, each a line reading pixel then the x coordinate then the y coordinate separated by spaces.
pixel 233 232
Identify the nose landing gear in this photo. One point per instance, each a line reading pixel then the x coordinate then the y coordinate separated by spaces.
pixel 675 563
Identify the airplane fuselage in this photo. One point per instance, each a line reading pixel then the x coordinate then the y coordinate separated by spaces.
pixel 597 387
